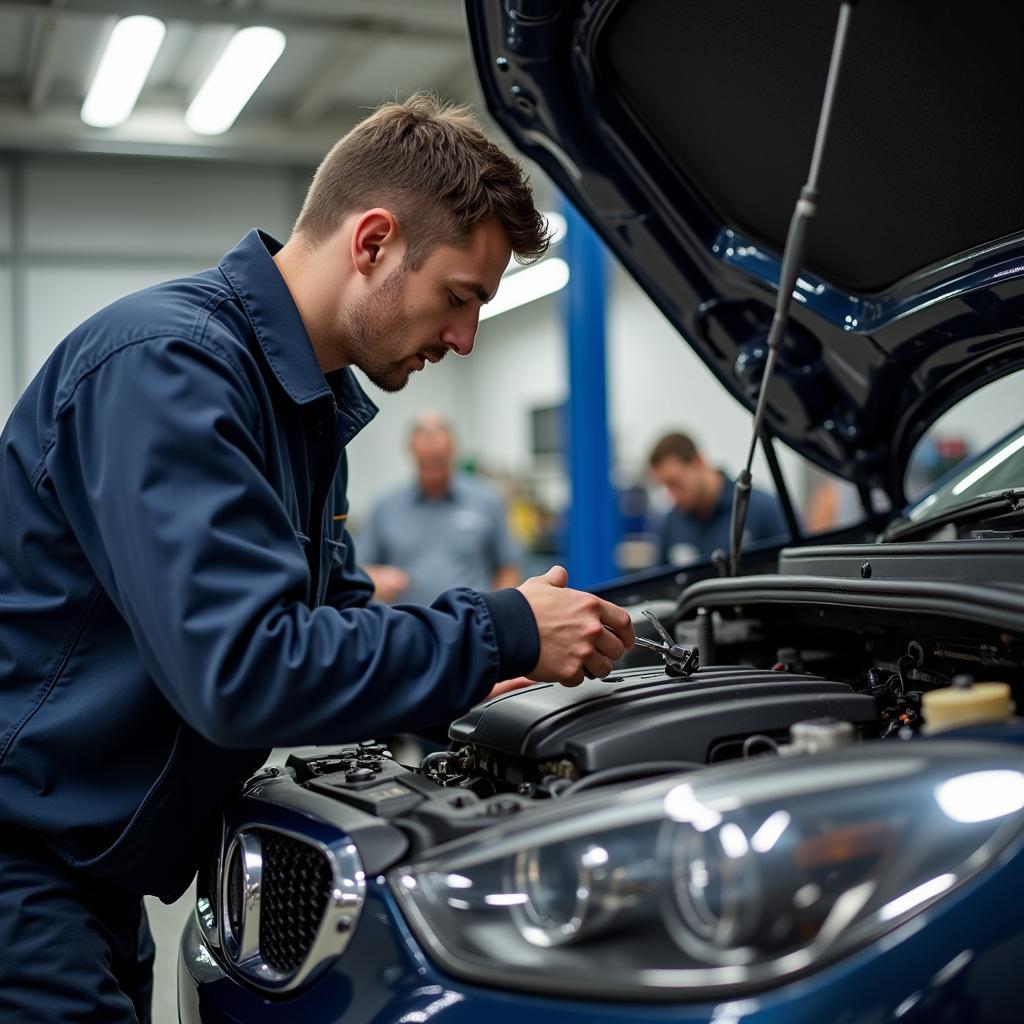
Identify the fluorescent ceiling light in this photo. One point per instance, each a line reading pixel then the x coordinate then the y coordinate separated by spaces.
pixel 245 62
pixel 123 69
pixel 528 284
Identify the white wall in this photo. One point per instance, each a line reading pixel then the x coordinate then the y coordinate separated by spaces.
pixel 517 364
pixel 9 385
pixel 160 209
pixel 8 382
pixel 5 210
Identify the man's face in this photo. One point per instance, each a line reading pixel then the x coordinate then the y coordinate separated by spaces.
pixel 418 316
pixel 683 481
pixel 434 454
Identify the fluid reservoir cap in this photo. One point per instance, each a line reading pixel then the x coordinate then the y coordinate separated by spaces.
pixel 953 707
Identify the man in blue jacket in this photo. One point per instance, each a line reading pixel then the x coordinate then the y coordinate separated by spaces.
pixel 700 519
pixel 177 589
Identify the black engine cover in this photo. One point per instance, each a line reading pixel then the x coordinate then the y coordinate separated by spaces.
pixel 645 715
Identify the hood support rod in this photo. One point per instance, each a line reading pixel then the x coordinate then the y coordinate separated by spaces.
pixel 792 257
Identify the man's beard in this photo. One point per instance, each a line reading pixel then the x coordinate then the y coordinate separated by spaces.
pixel 376 331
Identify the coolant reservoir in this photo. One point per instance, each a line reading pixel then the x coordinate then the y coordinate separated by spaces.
pixel 973 704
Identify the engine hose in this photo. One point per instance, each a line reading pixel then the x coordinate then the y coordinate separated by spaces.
pixel 626 772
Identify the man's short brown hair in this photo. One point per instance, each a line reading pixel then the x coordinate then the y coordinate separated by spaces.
pixel 673 446
pixel 431 165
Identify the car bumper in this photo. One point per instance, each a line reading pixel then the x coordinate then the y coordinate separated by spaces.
pixel 957 961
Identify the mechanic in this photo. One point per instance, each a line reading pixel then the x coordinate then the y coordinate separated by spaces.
pixel 179 592
pixel 462 514
pixel 699 520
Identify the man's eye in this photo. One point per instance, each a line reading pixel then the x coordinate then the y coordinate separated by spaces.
pixel 454 300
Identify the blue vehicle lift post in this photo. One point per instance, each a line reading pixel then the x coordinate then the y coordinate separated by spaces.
pixel 592 526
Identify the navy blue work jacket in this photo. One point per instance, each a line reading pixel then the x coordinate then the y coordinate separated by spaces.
pixel 178 592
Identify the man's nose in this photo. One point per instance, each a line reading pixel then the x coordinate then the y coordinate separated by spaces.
pixel 459 339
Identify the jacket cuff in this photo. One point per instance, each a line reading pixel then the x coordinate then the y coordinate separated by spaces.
pixel 515 629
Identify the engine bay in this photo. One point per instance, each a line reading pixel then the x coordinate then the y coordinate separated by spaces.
pixel 789 664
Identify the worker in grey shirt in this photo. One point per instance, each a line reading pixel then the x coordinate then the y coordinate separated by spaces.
pixel 445 529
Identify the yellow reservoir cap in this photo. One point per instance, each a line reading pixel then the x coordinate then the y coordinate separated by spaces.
pixel 952 707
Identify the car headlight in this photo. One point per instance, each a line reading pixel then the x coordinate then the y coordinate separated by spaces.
pixel 736 876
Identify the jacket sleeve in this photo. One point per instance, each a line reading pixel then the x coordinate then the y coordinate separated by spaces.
pixel 157 460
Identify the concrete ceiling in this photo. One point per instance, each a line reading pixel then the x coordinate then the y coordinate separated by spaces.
pixel 342 58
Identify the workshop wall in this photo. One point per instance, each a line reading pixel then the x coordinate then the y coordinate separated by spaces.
pixel 9 385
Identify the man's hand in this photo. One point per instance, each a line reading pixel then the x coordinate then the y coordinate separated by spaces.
pixel 580 634
pixel 389 583
pixel 508 685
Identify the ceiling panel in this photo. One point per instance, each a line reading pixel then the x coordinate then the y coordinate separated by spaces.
pixel 399 66
pixel 14 34
pixel 78 45
pixel 342 58
pixel 186 56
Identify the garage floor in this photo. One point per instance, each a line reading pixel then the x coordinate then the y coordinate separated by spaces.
pixel 166 923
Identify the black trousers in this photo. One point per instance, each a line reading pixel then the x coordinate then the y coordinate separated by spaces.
pixel 72 949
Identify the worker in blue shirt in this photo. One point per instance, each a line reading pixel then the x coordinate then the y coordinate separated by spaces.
pixel 463 514
pixel 178 589
pixel 699 521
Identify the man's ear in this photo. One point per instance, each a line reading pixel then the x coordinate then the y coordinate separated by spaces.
pixel 375 241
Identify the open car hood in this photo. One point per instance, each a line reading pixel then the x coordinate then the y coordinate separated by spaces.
pixel 683 131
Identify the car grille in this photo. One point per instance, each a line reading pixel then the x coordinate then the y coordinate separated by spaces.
pixel 280 904
pixel 296 888
pixel 234 893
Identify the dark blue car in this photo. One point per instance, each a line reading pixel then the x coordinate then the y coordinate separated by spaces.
pixel 824 821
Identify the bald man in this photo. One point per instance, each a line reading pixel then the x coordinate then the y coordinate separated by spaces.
pixel 444 530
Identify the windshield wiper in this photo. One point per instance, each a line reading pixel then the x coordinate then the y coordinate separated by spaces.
pixel 976 510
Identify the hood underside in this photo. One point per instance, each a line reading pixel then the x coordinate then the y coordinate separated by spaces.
pixel 683 132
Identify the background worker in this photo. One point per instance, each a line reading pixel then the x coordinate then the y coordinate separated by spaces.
pixel 179 592
pixel 699 519
pixel 444 529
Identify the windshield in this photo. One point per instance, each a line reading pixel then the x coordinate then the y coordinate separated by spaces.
pixel 1000 468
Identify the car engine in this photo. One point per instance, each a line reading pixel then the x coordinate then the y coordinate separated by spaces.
pixel 818 655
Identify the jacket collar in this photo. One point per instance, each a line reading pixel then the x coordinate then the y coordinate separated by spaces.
pixel 270 309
